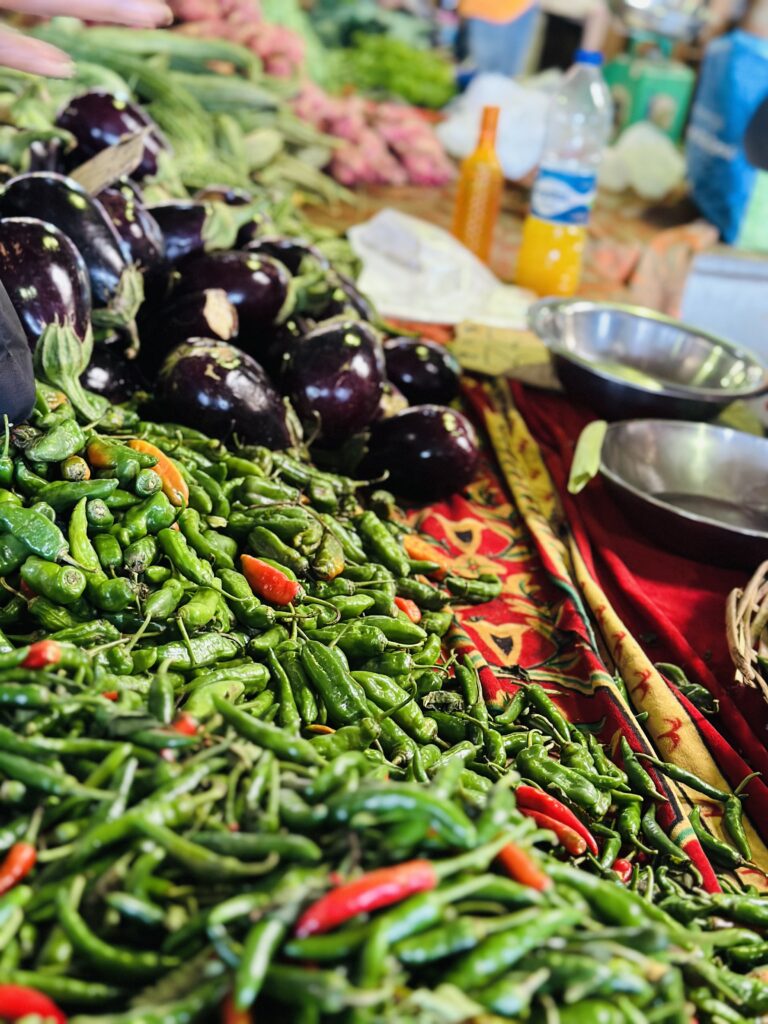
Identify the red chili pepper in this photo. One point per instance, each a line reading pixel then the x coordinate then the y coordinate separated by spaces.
pixel 267 581
pixel 17 864
pixel 110 694
pixel 535 800
pixel 375 889
pixel 410 608
pixel 520 866
pixel 569 838
pixel 623 869
pixel 17 1001
pixel 186 724
pixel 230 1015
pixel 41 654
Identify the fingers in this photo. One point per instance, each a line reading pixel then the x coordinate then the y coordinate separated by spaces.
pixel 33 55
pixel 140 13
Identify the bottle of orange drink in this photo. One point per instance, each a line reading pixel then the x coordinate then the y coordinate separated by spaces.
pixel 555 230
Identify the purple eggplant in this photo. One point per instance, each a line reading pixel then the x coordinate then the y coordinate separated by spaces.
pixel 110 373
pixel 141 239
pixel 423 370
pixel 291 252
pixel 207 314
pixel 279 343
pixel 17 377
pixel 335 377
pixel 430 451
pixel 345 299
pixel 67 205
pixel 220 389
pixel 45 276
pixel 258 287
pixel 46 155
pixel 98 120
pixel 184 227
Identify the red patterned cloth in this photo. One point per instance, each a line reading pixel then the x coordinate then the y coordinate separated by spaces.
pixel 581 596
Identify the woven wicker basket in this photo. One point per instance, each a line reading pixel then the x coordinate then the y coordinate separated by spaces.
pixel 746 619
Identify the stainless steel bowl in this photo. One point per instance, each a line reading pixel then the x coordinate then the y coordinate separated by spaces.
pixel 625 361
pixel 697 489
pixel 676 19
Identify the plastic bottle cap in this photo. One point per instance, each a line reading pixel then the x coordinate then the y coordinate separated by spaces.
pixel 588 57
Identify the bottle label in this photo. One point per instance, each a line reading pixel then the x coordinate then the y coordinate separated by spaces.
pixel 563 197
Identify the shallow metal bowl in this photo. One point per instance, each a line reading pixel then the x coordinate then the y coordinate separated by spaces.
pixel 698 489
pixel 625 361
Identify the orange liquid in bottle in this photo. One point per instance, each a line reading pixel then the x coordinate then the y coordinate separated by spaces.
pixel 479 193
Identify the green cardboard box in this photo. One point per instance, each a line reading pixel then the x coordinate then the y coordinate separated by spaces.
pixel 651 89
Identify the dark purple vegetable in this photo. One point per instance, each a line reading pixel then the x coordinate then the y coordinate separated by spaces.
pixel 423 370
pixel 110 373
pixel 98 120
pixel 335 376
pixel 141 239
pixel 430 451
pixel 278 345
pixel 355 297
pixel 45 276
pixel 392 401
pixel 260 223
pixel 207 314
pixel 258 288
pixel 67 205
pixel 220 389
pixel 46 155
pixel 17 377
pixel 189 227
pixel 291 252
pixel 344 299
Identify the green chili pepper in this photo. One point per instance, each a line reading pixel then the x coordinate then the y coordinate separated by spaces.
pixel 41 537
pixel 152 515
pixel 98 514
pixel 212 546
pixel 108 551
pixel 533 763
pixel 75 468
pixel 486 587
pixel 734 826
pixel 109 595
pixel 639 779
pixel 63 440
pixel 200 609
pixel 266 544
pixel 139 555
pixel 382 545
pixel 329 674
pixel 721 852
pixel 387 695
pixel 268 736
pixel 26 481
pixel 687 778
pixel 260 645
pixel 147 482
pixel 436 623
pixel 303 696
pixel 61 494
pixel 349 738
pixel 13 552
pixel 61 583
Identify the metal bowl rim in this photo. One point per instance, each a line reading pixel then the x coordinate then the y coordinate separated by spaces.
pixel 692 517
pixel 668 389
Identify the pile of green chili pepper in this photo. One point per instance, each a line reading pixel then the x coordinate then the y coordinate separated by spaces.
pixel 240 774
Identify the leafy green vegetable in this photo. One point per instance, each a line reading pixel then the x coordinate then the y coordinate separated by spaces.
pixel 380 64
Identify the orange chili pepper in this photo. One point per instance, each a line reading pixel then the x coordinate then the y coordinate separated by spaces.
pixel 568 838
pixel 410 608
pixel 420 551
pixel 174 484
pixel 267 581
pixel 186 724
pixel 520 866
pixel 18 862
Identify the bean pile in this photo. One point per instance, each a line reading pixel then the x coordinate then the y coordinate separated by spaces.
pixel 239 773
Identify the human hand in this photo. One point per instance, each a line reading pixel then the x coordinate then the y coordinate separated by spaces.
pixel 26 54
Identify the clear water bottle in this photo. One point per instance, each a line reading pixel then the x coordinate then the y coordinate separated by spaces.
pixel 578 128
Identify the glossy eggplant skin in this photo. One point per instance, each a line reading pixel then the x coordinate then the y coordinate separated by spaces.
pixel 182 224
pixel 141 239
pixel 423 370
pixel 110 373
pixel 258 288
pixel 430 452
pixel 98 120
pixel 45 276
pixel 67 205
pixel 291 252
pixel 218 388
pixel 335 377
pixel 17 376
pixel 207 314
